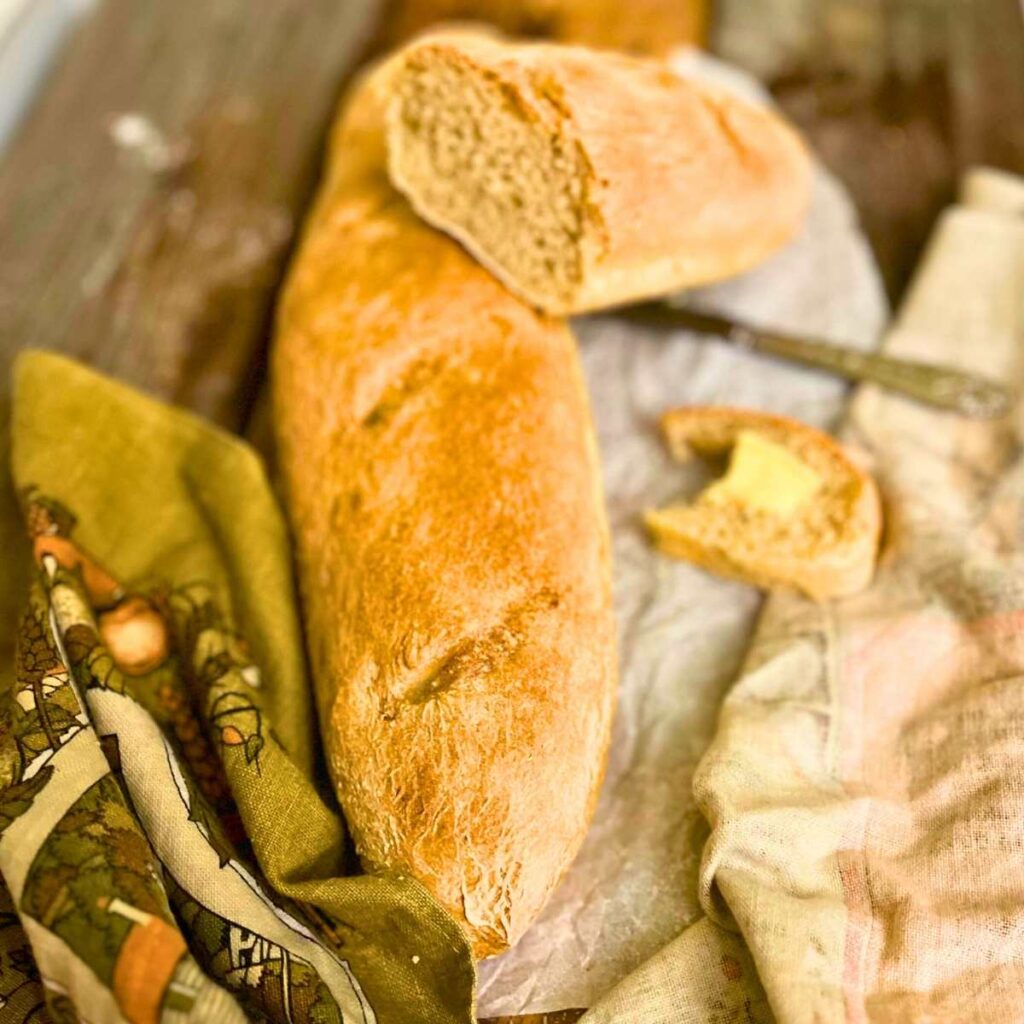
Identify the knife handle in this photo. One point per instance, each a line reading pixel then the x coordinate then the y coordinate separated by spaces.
pixel 936 385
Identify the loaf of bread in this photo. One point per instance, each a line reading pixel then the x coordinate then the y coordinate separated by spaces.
pixel 640 26
pixel 443 487
pixel 585 179
pixel 793 508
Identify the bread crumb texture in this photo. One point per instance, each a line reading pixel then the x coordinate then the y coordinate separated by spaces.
pixel 792 509
pixel 586 179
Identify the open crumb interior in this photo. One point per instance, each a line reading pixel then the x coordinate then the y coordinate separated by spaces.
pixel 476 161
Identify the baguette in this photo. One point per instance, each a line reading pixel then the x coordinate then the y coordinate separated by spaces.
pixel 443 488
pixel 585 179
pixel 641 26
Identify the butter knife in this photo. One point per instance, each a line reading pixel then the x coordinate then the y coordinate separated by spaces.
pixel 937 385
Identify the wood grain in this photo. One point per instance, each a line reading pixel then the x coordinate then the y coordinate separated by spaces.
pixel 148 201
pixel 898 97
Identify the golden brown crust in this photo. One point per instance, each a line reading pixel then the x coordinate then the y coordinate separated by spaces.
pixel 444 494
pixel 685 184
pixel 841 563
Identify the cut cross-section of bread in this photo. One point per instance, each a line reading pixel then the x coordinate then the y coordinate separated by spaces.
pixel 586 179
pixel 793 508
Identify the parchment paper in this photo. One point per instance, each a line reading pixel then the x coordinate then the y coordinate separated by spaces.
pixel 683 633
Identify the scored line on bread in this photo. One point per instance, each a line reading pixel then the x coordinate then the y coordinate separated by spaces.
pixel 442 484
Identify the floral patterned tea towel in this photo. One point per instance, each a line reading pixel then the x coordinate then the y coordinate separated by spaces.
pixel 167 849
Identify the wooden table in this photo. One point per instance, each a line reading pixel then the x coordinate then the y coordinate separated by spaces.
pixel 896 96
pixel 149 201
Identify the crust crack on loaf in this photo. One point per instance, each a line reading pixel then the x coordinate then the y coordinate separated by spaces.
pixel 443 489
pixel 584 179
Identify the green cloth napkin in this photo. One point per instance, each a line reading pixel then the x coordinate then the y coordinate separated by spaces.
pixel 169 849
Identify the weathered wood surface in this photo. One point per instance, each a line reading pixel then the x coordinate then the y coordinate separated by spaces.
pixel 898 97
pixel 148 200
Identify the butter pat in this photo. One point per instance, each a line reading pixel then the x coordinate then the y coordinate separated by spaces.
pixel 763 475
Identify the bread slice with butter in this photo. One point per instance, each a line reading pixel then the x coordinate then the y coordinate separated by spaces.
pixel 791 509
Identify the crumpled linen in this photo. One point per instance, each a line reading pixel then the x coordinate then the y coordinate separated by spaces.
pixel 865 786
pixel 165 838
